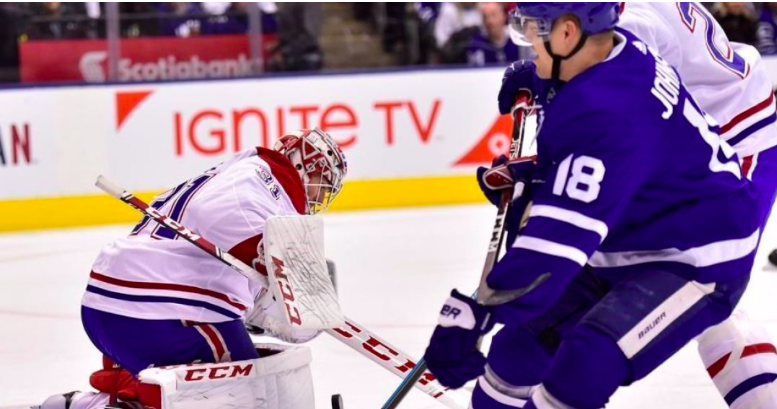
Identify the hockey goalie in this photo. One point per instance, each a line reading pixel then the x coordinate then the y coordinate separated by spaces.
pixel 171 320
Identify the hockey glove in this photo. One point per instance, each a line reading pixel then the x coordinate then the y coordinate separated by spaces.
pixel 512 175
pixel 452 355
pixel 519 76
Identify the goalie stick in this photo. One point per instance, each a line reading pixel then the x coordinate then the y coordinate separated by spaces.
pixel 352 334
pixel 484 295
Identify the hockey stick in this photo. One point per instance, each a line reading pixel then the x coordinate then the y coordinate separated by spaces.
pixel 355 336
pixel 521 109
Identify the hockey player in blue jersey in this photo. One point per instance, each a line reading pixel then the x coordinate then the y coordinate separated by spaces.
pixel 632 196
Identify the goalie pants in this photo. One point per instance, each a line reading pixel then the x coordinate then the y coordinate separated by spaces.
pixel 599 335
pixel 137 344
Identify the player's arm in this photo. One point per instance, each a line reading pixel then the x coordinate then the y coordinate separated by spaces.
pixel 589 178
pixel 647 24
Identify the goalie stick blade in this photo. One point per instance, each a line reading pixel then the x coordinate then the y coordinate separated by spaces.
pixel 503 297
pixel 109 187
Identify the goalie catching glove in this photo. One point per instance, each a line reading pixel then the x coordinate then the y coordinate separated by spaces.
pixel 267 315
pixel 266 318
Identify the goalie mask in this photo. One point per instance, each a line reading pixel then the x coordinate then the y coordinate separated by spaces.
pixel 320 163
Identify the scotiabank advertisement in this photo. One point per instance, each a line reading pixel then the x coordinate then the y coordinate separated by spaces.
pixel 142 59
pixel 149 137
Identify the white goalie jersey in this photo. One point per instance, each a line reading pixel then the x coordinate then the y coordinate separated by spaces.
pixel 728 79
pixel 153 274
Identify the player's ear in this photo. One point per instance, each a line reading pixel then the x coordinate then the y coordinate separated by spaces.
pixel 570 30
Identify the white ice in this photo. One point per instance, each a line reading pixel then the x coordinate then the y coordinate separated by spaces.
pixel 395 269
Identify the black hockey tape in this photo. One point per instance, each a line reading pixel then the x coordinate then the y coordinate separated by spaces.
pixel 337 402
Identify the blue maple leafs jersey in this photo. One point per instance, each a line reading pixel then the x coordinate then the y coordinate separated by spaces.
pixel 632 175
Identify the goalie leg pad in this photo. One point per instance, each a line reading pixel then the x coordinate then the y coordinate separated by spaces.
pixel 280 379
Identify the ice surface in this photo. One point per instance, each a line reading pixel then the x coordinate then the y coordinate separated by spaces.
pixel 395 269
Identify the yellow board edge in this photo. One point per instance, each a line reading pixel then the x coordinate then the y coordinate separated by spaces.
pixel 89 210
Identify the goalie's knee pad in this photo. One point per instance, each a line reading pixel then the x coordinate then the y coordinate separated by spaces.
pixel 742 361
pixel 280 379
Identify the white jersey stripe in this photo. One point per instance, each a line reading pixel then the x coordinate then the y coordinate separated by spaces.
pixel 702 256
pixel 551 248
pixel 574 218
pixel 498 396
pixel 658 320
pixel 542 399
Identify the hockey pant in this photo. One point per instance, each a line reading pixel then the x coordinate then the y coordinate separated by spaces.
pixel 601 335
pixel 137 344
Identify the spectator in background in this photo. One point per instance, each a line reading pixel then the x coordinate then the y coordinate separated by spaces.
pixel 299 28
pixel 12 20
pixel 738 20
pixel 54 20
pixel 426 16
pixel 232 18
pixel 492 45
pixel 139 19
pixel 767 30
pixel 456 24
pixel 183 20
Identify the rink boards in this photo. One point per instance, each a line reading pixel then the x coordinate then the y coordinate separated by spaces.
pixel 411 137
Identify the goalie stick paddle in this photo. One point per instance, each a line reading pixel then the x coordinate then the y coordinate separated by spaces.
pixel 521 110
pixel 352 334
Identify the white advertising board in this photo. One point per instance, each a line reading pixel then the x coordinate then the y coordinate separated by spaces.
pixel 407 124
pixel 151 136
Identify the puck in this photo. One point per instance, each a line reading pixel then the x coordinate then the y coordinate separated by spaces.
pixel 773 257
pixel 337 401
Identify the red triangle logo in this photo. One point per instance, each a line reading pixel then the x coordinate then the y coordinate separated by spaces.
pixel 494 143
pixel 126 102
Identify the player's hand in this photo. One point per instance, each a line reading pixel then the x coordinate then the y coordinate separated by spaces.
pixel 452 354
pixel 514 176
pixel 519 76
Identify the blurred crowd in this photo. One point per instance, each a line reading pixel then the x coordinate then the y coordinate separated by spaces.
pixel 296 26
pixel 475 33
pixel 749 23
pixel 421 33
pixel 469 33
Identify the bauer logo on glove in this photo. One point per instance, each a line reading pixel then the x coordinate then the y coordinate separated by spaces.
pixel 456 313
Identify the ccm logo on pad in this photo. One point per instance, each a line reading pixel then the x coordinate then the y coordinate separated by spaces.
pixel 218 372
